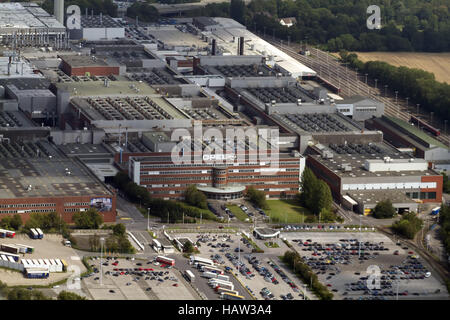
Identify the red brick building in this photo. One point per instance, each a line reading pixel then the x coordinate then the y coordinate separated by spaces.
pixel 74 65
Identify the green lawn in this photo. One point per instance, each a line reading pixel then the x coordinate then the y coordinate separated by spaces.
pixel 238 212
pixel 286 211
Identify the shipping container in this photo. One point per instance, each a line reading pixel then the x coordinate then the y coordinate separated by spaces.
pixel 64 265
pixel 29 248
pixel 212 269
pixel 7 233
pixel 34 234
pixel 16 257
pixel 40 233
pixel 9 248
pixel 38 274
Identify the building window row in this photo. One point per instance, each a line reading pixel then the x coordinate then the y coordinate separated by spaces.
pixel 188 165
pixel 73 204
pixel 28 205
pixel 74 209
pixel 27 211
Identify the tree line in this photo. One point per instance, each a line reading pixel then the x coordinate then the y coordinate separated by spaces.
pixel 408 25
pixel 168 210
pixel 419 85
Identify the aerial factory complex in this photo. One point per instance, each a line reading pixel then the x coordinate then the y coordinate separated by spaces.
pixel 157 103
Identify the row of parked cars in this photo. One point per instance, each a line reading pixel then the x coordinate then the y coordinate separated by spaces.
pixel 323 227
pixel 263 271
pixel 243 269
pixel 283 276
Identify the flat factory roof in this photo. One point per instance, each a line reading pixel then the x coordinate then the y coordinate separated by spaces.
pixel 47 176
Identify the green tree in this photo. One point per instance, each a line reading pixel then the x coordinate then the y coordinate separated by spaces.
pixel 16 222
pixel 237 10
pixel 446 183
pixel 89 219
pixel 195 197
pixel 119 229
pixel 408 225
pixel 384 209
pixel 66 295
pixel 188 247
pixel 257 197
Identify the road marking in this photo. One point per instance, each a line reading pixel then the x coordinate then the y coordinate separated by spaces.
pixel 123 218
pixel 75 258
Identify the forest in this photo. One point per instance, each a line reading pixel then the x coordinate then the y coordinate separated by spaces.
pixel 407 25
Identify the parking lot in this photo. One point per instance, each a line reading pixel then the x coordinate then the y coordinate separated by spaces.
pixel 345 262
pixel 137 279
pixel 253 271
pixel 50 247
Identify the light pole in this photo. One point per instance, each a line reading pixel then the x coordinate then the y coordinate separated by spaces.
pixel 407 98
pixel 359 253
pixel 376 80
pixel 431 117
pixel 396 95
pixel 418 105
pixel 148 219
pixel 366 77
pixel 289 41
pixel 385 90
pixel 101 260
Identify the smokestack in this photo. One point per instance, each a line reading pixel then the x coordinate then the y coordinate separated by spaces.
pixel 213 49
pixel 241 46
pixel 58 10
pixel 238 46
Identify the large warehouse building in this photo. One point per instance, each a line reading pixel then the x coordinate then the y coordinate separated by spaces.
pixel 35 177
pixel 360 176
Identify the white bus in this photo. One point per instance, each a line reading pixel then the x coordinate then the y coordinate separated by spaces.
pixel 197 259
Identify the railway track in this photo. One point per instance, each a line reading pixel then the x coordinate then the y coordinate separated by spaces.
pixel 351 83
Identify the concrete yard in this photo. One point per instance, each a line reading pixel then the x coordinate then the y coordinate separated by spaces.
pixel 50 247
pixel 126 288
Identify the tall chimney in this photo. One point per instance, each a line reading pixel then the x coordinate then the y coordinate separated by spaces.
pixel 213 49
pixel 241 46
pixel 58 10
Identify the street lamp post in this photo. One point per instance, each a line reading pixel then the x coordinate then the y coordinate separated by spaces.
pixel 376 80
pixel 148 219
pixel 101 260
pixel 366 77
pixel 385 90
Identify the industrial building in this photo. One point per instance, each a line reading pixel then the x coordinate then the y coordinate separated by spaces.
pixel 26 24
pixel 36 177
pixel 361 175
pixel 98 27
pixel 83 65
pixel 404 135
pixel 218 180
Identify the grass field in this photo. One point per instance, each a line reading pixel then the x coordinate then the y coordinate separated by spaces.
pixel 286 211
pixel 238 212
pixel 437 63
